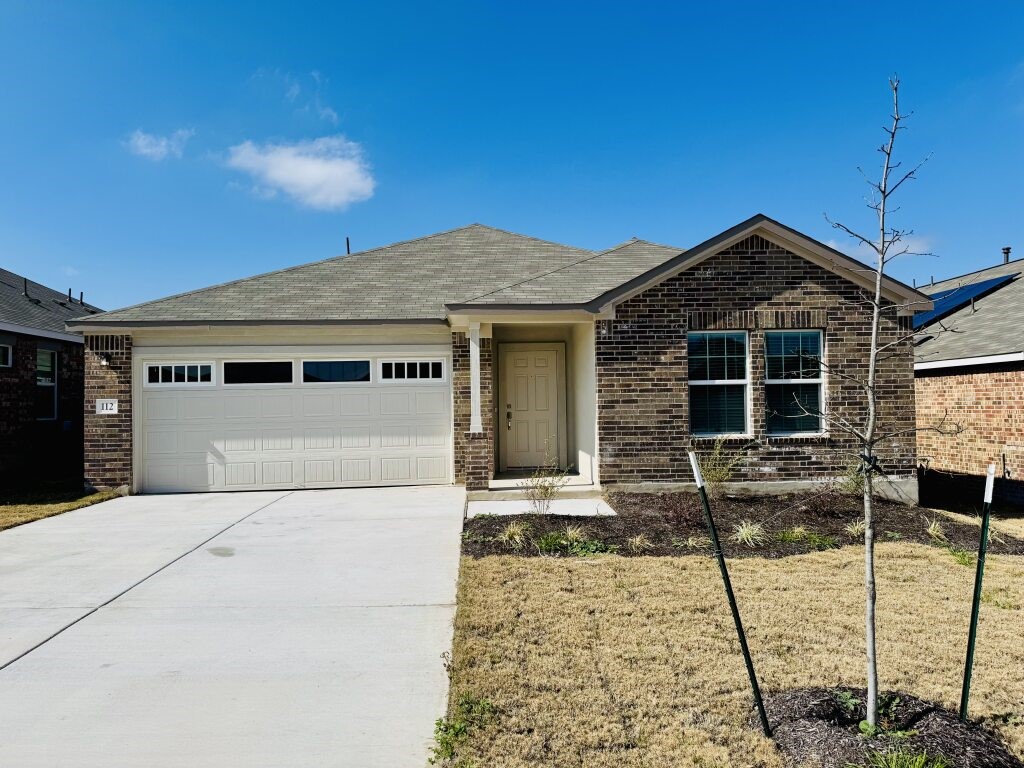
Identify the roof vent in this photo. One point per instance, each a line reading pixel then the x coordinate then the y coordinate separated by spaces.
pixel 1006 254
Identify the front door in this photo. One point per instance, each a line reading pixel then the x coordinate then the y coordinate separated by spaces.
pixel 529 421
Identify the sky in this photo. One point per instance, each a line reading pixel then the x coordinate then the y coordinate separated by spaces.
pixel 152 148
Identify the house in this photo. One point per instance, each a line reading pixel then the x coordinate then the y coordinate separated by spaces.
pixel 41 386
pixel 969 369
pixel 472 355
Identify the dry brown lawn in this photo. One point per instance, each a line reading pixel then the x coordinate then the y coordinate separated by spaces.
pixel 48 505
pixel 1007 526
pixel 614 661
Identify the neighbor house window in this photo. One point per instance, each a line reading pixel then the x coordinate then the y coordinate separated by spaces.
pixel 718 382
pixel 404 370
pixel 793 381
pixel 46 384
pixel 269 372
pixel 6 356
pixel 340 371
pixel 179 373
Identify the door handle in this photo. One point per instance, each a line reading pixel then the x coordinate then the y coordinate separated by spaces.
pixel 509 417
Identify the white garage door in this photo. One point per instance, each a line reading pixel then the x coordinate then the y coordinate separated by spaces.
pixel 238 423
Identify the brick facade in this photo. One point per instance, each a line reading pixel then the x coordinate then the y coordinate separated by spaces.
pixel 474 451
pixel 988 402
pixel 33 450
pixel 108 438
pixel 643 404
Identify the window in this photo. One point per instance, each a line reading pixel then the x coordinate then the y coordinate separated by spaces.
pixel 46 384
pixel 341 371
pixel 718 382
pixel 179 373
pixel 793 381
pixel 271 372
pixel 6 356
pixel 405 370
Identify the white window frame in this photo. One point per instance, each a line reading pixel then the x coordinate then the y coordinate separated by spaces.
pixel 336 359
pixel 10 356
pixel 296 376
pixel 146 365
pixel 53 385
pixel 820 381
pixel 748 400
pixel 405 381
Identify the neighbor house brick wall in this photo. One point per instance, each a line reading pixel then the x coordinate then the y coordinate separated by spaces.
pixel 474 451
pixel 33 449
pixel 108 438
pixel 988 403
pixel 643 397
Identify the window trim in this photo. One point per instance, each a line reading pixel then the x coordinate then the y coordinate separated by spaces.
pixel 147 384
pixel 10 355
pixel 746 382
pixel 54 386
pixel 411 359
pixel 336 359
pixel 820 381
pixel 278 384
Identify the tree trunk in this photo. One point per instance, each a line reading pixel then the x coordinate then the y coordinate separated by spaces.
pixel 869 594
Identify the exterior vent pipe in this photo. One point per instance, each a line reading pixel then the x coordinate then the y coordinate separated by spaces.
pixel 1006 254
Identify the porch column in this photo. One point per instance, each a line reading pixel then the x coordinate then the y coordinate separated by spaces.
pixel 475 419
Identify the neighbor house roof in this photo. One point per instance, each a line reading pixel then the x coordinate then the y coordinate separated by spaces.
pixel 990 326
pixel 30 307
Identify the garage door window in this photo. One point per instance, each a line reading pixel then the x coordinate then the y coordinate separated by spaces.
pixel 407 370
pixel 335 371
pixel 268 372
pixel 160 374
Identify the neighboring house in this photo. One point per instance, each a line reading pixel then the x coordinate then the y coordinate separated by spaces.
pixel 969 370
pixel 40 383
pixel 477 354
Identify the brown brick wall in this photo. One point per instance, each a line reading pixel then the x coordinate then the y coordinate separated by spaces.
pixel 989 404
pixel 643 418
pixel 108 438
pixel 30 449
pixel 474 452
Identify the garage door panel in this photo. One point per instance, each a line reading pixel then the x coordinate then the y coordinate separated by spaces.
pixel 293 436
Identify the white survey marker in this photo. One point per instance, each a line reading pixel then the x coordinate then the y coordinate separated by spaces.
pixel 989 481
pixel 697 476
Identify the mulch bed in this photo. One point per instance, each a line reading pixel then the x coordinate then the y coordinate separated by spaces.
pixel 673 524
pixel 819 726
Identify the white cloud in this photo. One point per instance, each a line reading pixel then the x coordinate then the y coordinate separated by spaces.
pixel 70 271
pixel 329 173
pixel 157 148
pixel 918 245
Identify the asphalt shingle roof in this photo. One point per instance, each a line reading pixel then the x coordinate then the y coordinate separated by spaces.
pixel 43 308
pixel 994 325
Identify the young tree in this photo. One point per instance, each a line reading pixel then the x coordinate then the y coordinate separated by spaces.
pixel 869 434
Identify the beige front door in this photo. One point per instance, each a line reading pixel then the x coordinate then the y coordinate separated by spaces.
pixel 528 416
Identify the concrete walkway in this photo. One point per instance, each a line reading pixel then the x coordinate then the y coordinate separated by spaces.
pixel 253 629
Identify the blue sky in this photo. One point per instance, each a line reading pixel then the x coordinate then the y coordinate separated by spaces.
pixel 148 149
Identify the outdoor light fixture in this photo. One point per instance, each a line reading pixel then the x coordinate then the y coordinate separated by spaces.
pixel 104 358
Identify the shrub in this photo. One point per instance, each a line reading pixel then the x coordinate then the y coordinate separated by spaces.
pixel 639 543
pixel 514 534
pixel 852 480
pixel 749 533
pixel 543 486
pixel 719 466
pixel 856 528
pixel 550 543
pixel 790 535
pixel 572 540
pixel 574 534
pixel 450 731
pixel 902 759
pixel 821 541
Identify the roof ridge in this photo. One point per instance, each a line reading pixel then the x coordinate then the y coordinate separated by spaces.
pixel 52 292
pixel 977 271
pixel 527 237
pixel 545 273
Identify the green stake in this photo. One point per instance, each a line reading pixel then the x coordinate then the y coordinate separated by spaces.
pixel 972 635
pixel 713 533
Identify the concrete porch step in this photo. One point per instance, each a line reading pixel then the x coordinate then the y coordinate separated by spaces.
pixel 512 494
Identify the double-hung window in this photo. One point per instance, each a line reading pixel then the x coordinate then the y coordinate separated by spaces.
pixel 46 384
pixel 719 383
pixel 793 381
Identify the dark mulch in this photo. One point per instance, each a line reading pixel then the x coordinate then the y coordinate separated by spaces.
pixel 820 726
pixel 669 520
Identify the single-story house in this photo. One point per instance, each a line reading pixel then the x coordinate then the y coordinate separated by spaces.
pixel 41 386
pixel 473 355
pixel 969 369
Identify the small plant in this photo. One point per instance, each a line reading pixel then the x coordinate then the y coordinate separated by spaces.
pixel 588 547
pixel 450 731
pixel 962 556
pixel 856 528
pixel 543 486
pixel 550 543
pixel 719 466
pixel 639 544
pixel 692 542
pixel 792 535
pixel 852 480
pixel 513 535
pixel 820 541
pixel 845 700
pixel 893 535
pixel 574 534
pixel 572 540
pixel 935 531
pixel 903 759
pixel 749 533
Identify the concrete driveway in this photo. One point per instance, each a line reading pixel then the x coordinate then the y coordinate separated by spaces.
pixel 252 629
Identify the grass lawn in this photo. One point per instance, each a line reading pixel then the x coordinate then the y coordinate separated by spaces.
pixel 26 507
pixel 616 661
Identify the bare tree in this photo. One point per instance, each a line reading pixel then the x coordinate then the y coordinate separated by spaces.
pixel 864 426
